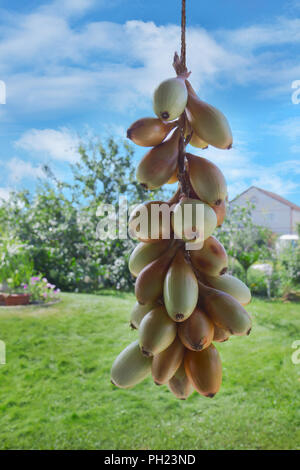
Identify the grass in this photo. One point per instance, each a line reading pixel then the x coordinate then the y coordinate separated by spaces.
pixel 55 390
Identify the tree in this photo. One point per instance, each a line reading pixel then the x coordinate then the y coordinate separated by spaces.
pixel 243 240
pixel 59 220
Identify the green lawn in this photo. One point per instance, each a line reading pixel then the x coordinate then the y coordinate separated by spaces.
pixel 55 389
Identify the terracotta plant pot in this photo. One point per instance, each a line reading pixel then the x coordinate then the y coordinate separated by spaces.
pixel 16 299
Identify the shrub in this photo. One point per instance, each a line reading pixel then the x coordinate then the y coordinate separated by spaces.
pixel 16 263
pixel 257 282
pixel 243 240
pixel 40 289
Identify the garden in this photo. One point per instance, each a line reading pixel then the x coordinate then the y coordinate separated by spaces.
pixel 55 386
pixel 49 239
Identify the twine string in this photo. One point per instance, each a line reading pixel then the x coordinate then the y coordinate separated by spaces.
pixel 179 65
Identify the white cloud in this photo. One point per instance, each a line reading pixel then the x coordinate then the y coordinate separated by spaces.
pixel 282 31
pixel 51 84
pixel 273 182
pixel 289 166
pixel 295 148
pixel 59 144
pixel 51 64
pixel 113 130
pixel 270 66
pixel 289 128
pixel 76 7
pixel 69 6
pixel 4 193
pixel 17 170
pixel 146 51
pixel 118 65
pixel 241 171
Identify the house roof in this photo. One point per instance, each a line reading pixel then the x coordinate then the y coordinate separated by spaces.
pixel 272 195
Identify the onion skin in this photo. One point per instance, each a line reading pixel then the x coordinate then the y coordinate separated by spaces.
pixel 194 140
pixel 208 122
pixel 179 384
pixel 150 281
pixel 170 98
pixel 144 254
pixel 149 132
pixel 174 177
pixel 159 164
pixel 204 370
pixel 225 311
pixel 130 367
pixel 207 180
pixel 197 332
pixel 180 289
pixel 156 332
pixel 166 363
pixel 212 259
pixel 182 230
pixel 232 286
pixel 220 335
pixel 220 211
pixel 138 312
pixel 163 225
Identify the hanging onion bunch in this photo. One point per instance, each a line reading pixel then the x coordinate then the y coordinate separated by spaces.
pixel 186 301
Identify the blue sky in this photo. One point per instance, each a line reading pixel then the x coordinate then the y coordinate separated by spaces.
pixel 89 67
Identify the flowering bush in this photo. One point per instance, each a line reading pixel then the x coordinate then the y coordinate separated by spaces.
pixel 41 290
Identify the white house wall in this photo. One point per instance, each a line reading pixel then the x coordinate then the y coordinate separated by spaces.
pixel 268 211
pixel 296 220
